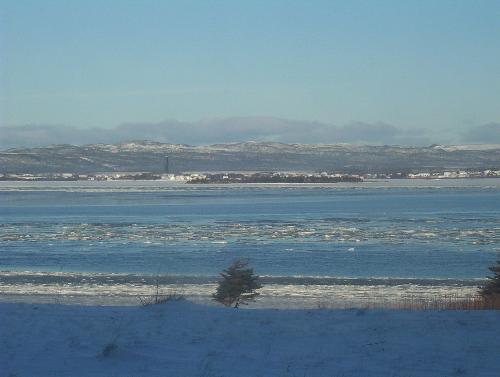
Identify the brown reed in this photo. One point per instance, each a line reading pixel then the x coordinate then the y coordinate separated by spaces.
pixel 448 302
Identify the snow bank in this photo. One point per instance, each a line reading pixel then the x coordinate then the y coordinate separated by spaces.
pixel 182 339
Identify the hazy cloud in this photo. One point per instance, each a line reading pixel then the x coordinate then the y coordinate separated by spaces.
pixel 487 133
pixel 42 135
pixel 232 130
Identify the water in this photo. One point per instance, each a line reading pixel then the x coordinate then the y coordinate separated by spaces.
pixel 348 241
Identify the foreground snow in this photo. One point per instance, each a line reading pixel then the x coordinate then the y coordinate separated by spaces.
pixel 182 339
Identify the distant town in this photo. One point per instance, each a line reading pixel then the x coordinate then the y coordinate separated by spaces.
pixel 246 177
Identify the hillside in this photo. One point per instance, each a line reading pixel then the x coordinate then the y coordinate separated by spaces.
pixel 246 156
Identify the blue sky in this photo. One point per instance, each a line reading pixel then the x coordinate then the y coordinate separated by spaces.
pixel 427 68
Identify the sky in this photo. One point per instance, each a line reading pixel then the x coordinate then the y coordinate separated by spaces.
pixel 383 72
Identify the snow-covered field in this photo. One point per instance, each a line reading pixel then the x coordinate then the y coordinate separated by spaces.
pixel 182 339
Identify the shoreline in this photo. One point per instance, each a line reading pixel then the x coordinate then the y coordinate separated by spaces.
pixel 277 292
pixel 474 182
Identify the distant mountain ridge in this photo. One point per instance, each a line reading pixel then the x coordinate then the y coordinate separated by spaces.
pixel 246 156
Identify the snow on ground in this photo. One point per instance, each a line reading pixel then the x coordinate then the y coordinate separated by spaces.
pixel 182 339
pixel 468 147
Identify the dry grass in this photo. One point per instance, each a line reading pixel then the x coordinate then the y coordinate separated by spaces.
pixel 475 302
pixel 448 303
pixel 159 297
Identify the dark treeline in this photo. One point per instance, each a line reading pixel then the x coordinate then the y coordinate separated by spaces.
pixel 274 178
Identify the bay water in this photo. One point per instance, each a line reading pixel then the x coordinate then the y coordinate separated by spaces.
pixel 339 244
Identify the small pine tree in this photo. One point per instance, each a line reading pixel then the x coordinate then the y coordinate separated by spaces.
pixel 492 287
pixel 238 285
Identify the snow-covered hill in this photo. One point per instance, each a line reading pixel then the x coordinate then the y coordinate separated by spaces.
pixel 247 156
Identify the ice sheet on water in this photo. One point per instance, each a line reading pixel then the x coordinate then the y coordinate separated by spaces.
pixel 328 230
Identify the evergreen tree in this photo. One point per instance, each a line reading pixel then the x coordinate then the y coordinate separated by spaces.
pixel 492 287
pixel 238 285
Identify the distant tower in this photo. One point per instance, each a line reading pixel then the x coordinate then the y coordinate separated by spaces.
pixel 165 166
